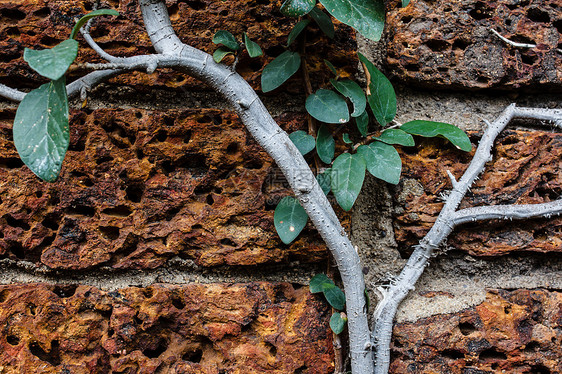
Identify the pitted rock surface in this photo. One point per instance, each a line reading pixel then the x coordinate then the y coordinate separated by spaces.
pixel 214 328
pixel 138 187
pixel 448 44
pixel 511 332
pixel 526 169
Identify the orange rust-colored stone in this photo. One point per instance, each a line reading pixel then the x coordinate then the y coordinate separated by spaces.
pixel 526 169
pixel 510 332
pixel 213 328
pixel 449 44
pixel 138 187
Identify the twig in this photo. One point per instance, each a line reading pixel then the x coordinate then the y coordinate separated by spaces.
pixel 517 44
pixel 447 220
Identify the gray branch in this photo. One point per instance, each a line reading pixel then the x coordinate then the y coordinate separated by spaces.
pixel 447 220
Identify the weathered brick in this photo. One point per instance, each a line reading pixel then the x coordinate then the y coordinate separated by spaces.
pixel 510 332
pixel 212 328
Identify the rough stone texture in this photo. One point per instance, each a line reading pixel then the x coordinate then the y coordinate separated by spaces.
pixel 526 169
pixel 449 44
pixel 139 187
pixel 218 328
pixel 510 332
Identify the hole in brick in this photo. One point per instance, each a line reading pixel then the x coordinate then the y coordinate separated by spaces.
pixel 528 58
pixel 13 14
pixel 51 221
pixel 187 136
pixel 109 232
pixel 492 354
pixel 193 356
pixel 156 351
pixel 13 32
pixel 138 115
pixel 196 5
pixel 148 292
pixel 118 211
pixel 228 242
pixel 482 79
pixel 161 135
pixel 540 369
pixel 65 290
pixel 4 294
pixel 460 44
pixel 51 357
pixel 134 192
pixel 38 194
pixel 10 163
pixel 209 199
pixel 204 119
pixel 13 340
pixel 168 167
pixel 232 148
pixel 43 12
pixel 196 227
pixel 32 309
pixel 110 332
pixel 452 354
pixel 532 346
pixel 558 25
pixel 177 302
pixel 467 328
pixel 406 19
pixel 272 349
pixel 254 164
pixel 480 11
pixel 169 121
pixel 49 41
pixel 301 370
pixel 11 221
pixel 81 210
pixel 412 67
pixel 537 15
pixel 17 250
pixel 103 159
pixel 522 39
pixel 170 214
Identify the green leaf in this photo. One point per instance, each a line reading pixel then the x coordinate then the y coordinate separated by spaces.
pixel 346 139
pixel 254 50
pixel 335 297
pixel 304 142
pixel 383 161
pixel 365 16
pixel 327 106
pixel 279 70
pixel 337 323
pixel 353 92
pixel 362 123
pixel 297 8
pixel 324 22
pixel 82 21
pixel 320 282
pixel 325 144
pixel 52 63
pixel 348 173
pixel 382 98
pixel 41 133
pixel 221 53
pixel 445 130
pixel 296 31
pixel 331 67
pixel 397 136
pixel 227 39
pixel 405 3
pixel 367 299
pixel 290 219
pixel 325 181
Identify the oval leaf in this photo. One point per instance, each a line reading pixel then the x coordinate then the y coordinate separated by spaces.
pixel 431 129
pixel 335 297
pixel 381 95
pixel 254 50
pixel 297 8
pixel 327 106
pixel 331 67
pixel 337 323
pixel 397 136
pixel 289 218
pixel 324 22
pixel 383 161
pixel 304 142
pixel 353 92
pixel 227 39
pixel 279 70
pixel 221 53
pixel 82 21
pixel 319 283
pixel 362 122
pixel 325 181
pixel 325 144
pixel 365 16
pixel 52 63
pixel 295 32
pixel 348 173
pixel 41 133
pixel 405 3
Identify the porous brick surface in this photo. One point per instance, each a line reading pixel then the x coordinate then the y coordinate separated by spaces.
pixel 526 169
pixel 218 328
pixel 510 332
pixel 449 44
